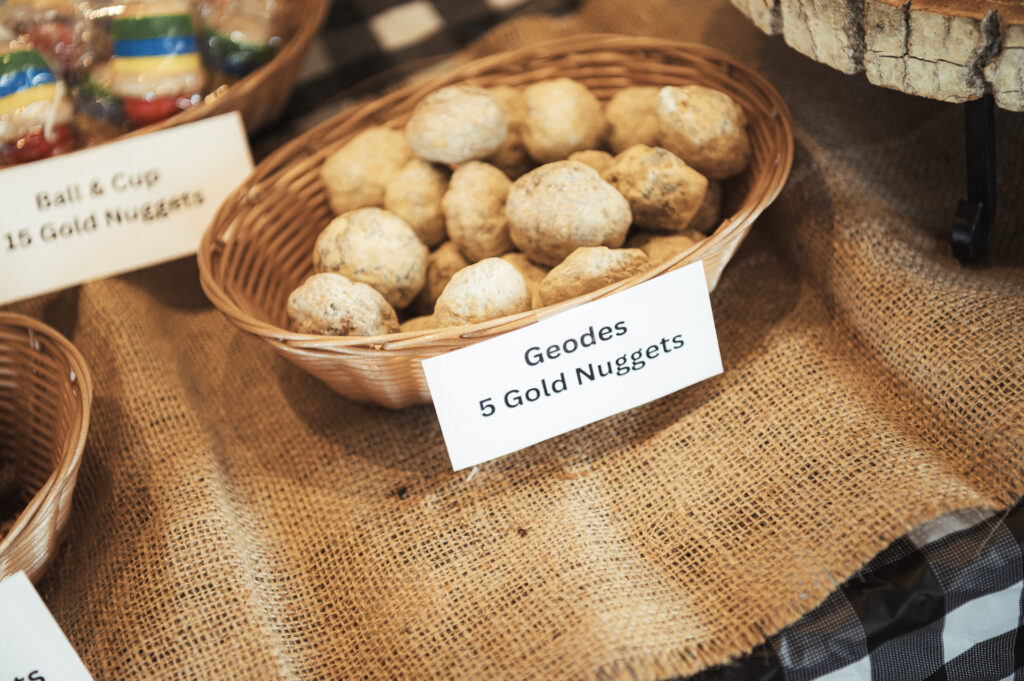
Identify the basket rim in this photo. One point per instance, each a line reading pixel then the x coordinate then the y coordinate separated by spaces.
pixel 277 164
pixel 65 473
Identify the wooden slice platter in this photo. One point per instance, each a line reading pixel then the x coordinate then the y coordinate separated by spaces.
pixel 951 50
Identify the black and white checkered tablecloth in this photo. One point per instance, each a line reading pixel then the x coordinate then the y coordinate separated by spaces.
pixel 941 603
pixel 366 45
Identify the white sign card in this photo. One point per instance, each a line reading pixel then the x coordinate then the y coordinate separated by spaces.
pixel 575 368
pixel 32 645
pixel 117 207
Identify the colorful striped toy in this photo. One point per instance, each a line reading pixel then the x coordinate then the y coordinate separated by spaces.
pixel 28 96
pixel 44 25
pixel 155 64
pixel 155 44
pixel 25 78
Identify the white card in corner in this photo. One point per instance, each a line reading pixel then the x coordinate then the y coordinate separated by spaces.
pixel 117 207
pixel 574 368
pixel 32 645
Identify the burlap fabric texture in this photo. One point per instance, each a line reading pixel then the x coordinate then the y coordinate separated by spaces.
pixel 235 519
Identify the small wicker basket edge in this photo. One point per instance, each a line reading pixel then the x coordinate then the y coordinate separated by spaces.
pixel 257 248
pixel 45 399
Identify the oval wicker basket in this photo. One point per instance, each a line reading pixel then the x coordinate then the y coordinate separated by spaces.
pixel 257 249
pixel 262 95
pixel 45 395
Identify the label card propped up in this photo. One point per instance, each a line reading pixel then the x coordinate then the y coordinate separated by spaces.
pixel 117 207
pixel 32 645
pixel 574 368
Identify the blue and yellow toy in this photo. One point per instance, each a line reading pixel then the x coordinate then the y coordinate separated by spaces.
pixel 35 112
pixel 155 68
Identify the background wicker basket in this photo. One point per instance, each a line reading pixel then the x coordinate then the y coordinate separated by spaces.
pixel 45 395
pixel 262 95
pixel 257 249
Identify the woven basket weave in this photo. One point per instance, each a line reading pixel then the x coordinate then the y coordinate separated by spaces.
pixel 45 395
pixel 258 247
pixel 261 95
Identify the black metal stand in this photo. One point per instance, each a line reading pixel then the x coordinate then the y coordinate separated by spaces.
pixel 972 224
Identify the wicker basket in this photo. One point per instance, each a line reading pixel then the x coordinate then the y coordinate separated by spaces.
pixel 261 95
pixel 257 249
pixel 45 393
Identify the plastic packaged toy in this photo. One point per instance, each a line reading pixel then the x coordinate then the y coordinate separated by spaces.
pixel 239 36
pixel 35 111
pixel 155 67
pixel 46 25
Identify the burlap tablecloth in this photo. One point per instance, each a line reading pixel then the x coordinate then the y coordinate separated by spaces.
pixel 236 519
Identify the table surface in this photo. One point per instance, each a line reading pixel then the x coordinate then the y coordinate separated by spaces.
pixel 235 518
